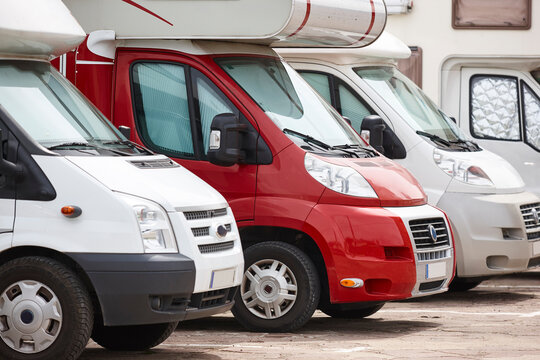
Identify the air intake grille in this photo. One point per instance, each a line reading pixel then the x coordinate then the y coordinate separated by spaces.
pixel 421 233
pixel 432 255
pixel 205 230
pixel 205 214
pixel 216 247
pixel 155 164
pixel 528 212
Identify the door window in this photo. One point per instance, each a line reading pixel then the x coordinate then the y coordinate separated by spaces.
pixel 531 116
pixel 162 108
pixel 352 108
pixel 494 112
pixel 319 82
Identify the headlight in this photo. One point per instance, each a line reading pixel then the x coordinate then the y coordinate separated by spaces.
pixel 342 179
pixel 156 231
pixel 461 170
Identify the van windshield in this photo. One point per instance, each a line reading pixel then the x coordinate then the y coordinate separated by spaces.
pixel 54 113
pixel 410 102
pixel 289 101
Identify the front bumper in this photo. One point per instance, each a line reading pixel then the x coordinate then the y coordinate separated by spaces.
pixel 136 289
pixel 490 233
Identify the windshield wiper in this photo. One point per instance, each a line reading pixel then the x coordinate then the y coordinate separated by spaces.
pixel 468 144
pixel 86 145
pixel 308 138
pixel 434 138
pixel 355 147
pixel 130 144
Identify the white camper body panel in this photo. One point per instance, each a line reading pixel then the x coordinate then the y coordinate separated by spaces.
pixel 38 28
pixel 278 22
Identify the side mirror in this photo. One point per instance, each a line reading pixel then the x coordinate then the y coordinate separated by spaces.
pixel 375 125
pixel 225 145
pixel 8 168
pixel 125 130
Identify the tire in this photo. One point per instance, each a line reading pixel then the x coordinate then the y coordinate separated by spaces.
pixel 134 337
pixel 460 284
pixel 280 288
pixel 352 314
pixel 41 295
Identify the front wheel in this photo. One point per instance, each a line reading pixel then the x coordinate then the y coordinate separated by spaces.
pixel 45 310
pixel 352 314
pixel 132 338
pixel 280 288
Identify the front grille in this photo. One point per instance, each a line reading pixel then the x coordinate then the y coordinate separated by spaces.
pixel 534 235
pixel 433 255
pixel 432 285
pixel 205 230
pixel 216 247
pixel 528 216
pixel 534 262
pixel 155 164
pixel 205 214
pixel 421 235
pixel 212 298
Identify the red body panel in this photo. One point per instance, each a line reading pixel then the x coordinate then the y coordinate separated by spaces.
pixel 356 236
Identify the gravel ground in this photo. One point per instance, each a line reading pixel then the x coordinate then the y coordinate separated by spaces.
pixel 500 319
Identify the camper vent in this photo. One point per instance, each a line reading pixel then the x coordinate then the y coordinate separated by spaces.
pixel 154 164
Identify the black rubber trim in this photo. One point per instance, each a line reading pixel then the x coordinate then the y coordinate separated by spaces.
pixel 193 313
pixel 133 262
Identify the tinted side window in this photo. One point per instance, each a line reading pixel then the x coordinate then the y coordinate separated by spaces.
pixel 319 82
pixel 494 111
pixel 162 108
pixel 531 116
pixel 352 108
pixel 210 101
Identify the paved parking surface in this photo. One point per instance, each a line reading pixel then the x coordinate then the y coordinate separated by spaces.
pixel 500 319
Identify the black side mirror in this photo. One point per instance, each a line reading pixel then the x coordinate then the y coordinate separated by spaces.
pixel 125 130
pixel 225 145
pixel 8 168
pixel 375 125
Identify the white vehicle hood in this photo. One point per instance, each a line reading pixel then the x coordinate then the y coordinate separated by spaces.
pixel 174 188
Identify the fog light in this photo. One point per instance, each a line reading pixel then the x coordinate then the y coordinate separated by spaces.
pixel 352 283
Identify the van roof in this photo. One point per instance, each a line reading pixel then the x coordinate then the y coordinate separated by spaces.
pixel 386 47
pixel 37 28
pixel 276 22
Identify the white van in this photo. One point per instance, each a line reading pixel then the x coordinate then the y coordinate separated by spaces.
pixel 480 61
pixel 98 236
pixel 482 194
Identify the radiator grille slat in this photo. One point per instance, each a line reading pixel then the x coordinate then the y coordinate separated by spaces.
pixel 422 237
pixel 216 247
pixel 205 214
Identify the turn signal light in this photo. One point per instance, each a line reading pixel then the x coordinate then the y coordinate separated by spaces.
pixel 352 283
pixel 71 211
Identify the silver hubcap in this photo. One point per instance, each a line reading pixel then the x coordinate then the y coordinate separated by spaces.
pixel 30 316
pixel 269 289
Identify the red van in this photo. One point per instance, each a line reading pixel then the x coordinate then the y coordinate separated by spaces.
pixel 326 221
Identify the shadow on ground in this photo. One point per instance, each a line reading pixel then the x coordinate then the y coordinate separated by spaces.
pixel 157 354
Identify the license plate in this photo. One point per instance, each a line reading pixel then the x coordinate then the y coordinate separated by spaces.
pixel 536 248
pixel 435 270
pixel 222 278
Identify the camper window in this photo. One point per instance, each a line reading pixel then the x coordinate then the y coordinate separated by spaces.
pixel 531 116
pixel 491 14
pixel 494 112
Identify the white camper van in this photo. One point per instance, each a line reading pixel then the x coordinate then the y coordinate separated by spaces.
pixel 481 60
pixel 98 236
pixel 482 194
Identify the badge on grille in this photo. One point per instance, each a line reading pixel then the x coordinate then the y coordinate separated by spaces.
pixel 535 216
pixel 432 233
pixel 221 231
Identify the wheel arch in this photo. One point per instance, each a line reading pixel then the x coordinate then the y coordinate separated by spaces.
pixel 23 251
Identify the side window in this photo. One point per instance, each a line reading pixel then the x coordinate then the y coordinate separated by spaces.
pixel 491 14
pixel 319 82
pixel 162 108
pixel 494 112
pixel 352 108
pixel 531 116
pixel 210 101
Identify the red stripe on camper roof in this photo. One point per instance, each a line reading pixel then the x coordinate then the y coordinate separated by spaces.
pixel 133 3
pixel 306 17
pixel 370 24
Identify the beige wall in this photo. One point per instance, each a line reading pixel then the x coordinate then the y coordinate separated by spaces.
pixel 429 26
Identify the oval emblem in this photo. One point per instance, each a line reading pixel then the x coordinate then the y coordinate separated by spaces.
pixel 432 233
pixel 221 231
pixel 535 216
